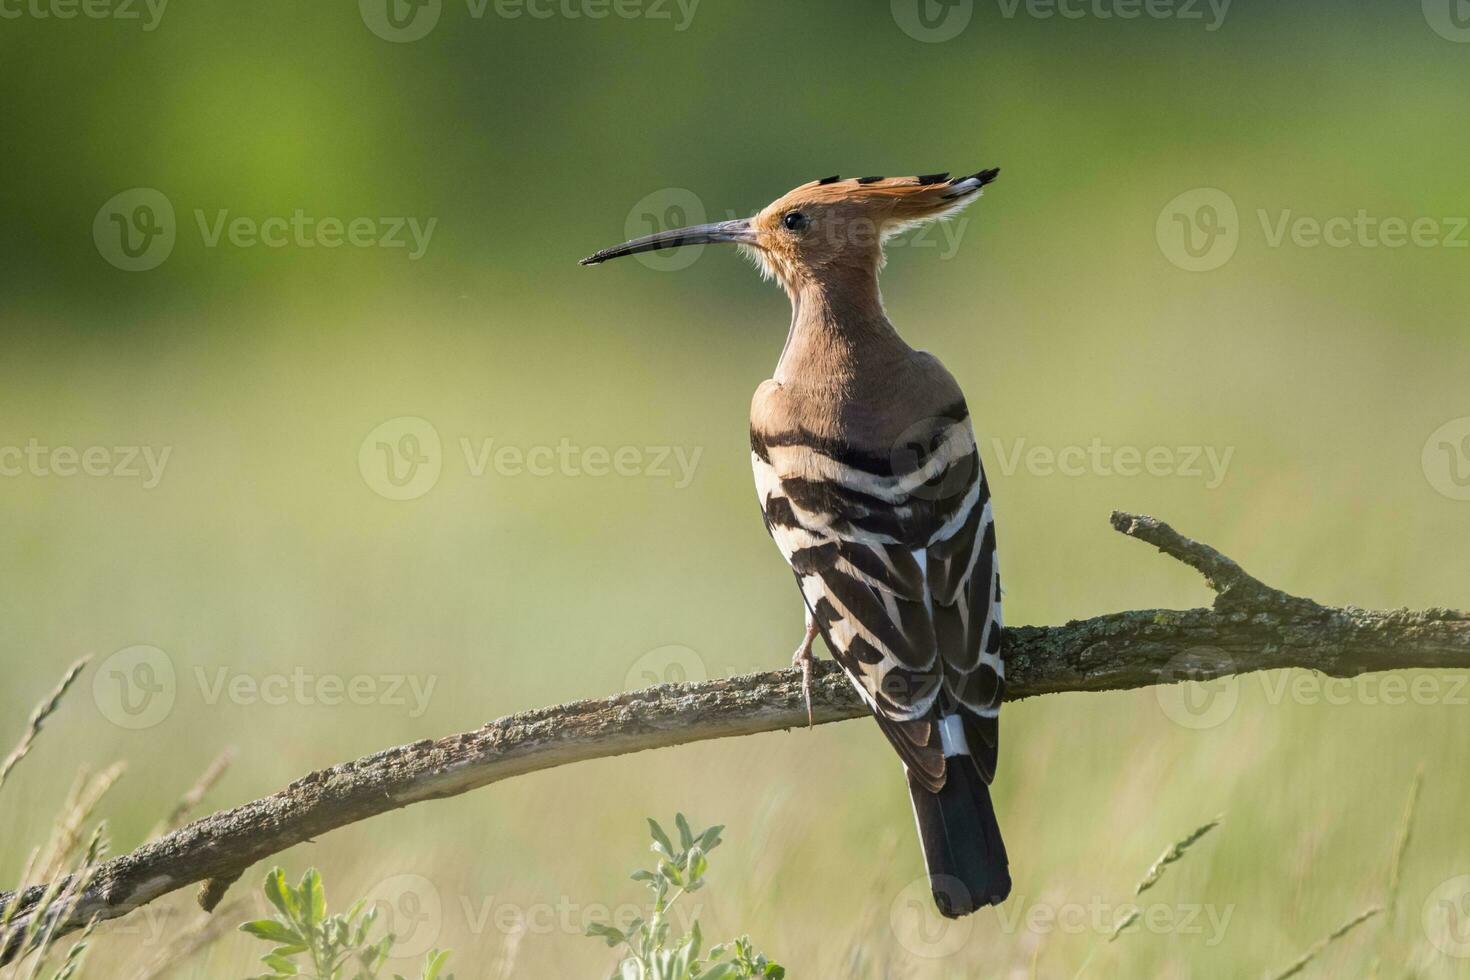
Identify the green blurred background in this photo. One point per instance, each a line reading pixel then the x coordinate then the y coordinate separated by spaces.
pixel 265 549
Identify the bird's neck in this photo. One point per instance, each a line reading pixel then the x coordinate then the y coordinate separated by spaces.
pixel 838 330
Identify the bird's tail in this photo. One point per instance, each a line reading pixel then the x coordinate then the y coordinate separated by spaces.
pixel 968 869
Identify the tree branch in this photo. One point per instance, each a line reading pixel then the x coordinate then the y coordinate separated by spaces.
pixel 1251 627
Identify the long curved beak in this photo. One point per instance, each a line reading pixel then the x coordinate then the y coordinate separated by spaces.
pixel 738 231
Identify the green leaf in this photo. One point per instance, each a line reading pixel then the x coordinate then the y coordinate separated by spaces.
pixel 273 931
pixel 611 935
pixel 686 836
pixel 696 939
pixel 279 894
pixel 435 963
pixel 313 899
pixel 718 972
pixel 280 964
pixel 698 864
pixel 710 839
pixel 660 838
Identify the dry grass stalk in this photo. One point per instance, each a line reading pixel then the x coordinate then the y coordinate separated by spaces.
pixel 38 718
pixel 190 800
pixel 1322 944
pixel 1396 869
pixel 204 931
pixel 67 834
pixel 1174 853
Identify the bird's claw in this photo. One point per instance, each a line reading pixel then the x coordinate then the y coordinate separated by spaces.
pixel 803 658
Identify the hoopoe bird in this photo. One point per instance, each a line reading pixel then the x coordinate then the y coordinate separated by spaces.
pixel 871 485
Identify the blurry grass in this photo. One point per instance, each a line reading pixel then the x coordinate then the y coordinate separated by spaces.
pixel 1175 852
pixel 38 718
pixel 1325 942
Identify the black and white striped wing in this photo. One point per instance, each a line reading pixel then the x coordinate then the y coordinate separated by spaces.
pixel 895 556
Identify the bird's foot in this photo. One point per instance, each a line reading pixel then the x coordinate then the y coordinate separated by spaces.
pixel 804 658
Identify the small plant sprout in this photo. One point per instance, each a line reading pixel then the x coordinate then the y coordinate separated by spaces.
pixel 312 944
pixel 652 953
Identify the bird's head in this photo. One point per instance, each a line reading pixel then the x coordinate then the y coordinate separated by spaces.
pixel 827 229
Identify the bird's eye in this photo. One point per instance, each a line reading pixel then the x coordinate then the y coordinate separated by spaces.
pixel 795 221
